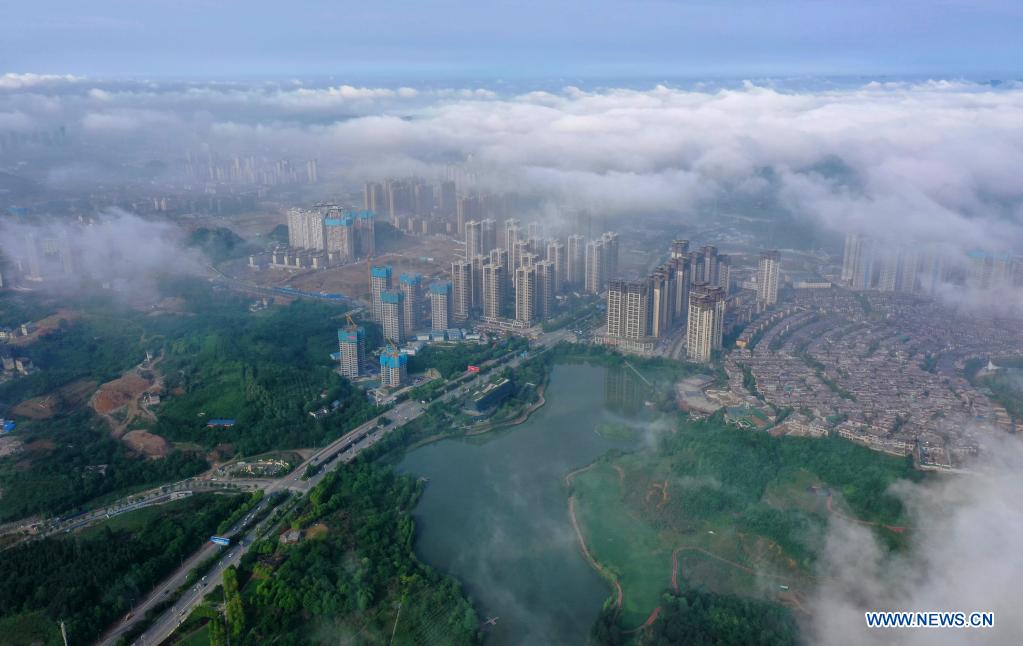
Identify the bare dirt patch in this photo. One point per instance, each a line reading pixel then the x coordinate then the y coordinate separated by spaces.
pixel 119 393
pixel 65 398
pixel 146 443
pixel 9 446
pixel 427 256
pixel 45 326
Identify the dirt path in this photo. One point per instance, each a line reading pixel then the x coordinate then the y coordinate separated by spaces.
pixel 674 565
pixel 621 474
pixel 646 624
pixel 125 393
pixel 603 571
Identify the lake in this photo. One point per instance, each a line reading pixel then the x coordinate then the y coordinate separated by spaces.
pixel 495 511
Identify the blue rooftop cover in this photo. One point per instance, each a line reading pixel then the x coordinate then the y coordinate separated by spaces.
pixel 351 336
pixel 393 359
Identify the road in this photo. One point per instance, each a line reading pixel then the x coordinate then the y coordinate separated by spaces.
pixel 340 451
pixel 156 496
pixel 165 625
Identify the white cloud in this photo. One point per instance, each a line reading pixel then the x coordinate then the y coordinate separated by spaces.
pixel 934 160
pixel 13 81
pixel 963 556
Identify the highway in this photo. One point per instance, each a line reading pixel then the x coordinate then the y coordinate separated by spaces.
pixel 165 625
pixel 340 451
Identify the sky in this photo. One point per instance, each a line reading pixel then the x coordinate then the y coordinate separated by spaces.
pixel 411 39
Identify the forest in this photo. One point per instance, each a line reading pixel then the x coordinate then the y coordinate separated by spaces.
pixel 266 371
pixel 695 617
pixel 90 579
pixel 453 360
pixel 353 568
pixel 747 462
pixel 84 463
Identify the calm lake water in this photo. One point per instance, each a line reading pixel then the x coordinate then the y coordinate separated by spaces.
pixel 495 512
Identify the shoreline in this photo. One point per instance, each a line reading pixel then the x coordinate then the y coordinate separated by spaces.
pixel 583 547
pixel 522 418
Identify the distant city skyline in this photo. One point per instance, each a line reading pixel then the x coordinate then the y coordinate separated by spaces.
pixel 455 38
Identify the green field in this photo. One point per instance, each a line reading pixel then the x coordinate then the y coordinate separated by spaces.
pixel 744 513
pixel 616 431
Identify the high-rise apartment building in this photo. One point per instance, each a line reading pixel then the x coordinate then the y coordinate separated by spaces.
pixel 888 271
pixel 473 238
pixel 461 290
pixel 858 262
pixel 411 286
pixel 306 229
pixel 525 295
pixel 556 254
pixel 393 368
pixel 575 265
pixel 986 270
pixel 352 350
pixel 365 234
pixel 610 239
pixel 501 257
pixel 628 308
pixel 493 290
pixel 477 282
pixel 680 264
pixel 724 273
pixel 662 301
pixel 392 315
pixel 545 289
pixel 440 305
pixel 340 235
pixel 379 282
pixel 705 322
pixel 467 208
pixel 709 265
pixel 488 234
pixel 511 238
pixel 679 249
pixel 373 197
pixel 594 266
pixel 768 271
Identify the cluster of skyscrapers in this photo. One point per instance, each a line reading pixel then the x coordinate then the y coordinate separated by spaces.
pixel 330 228
pixel 251 171
pixel 868 263
pixel 687 292
pixel 510 275
pixel 419 207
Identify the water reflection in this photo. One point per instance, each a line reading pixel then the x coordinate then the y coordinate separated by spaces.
pixel 624 391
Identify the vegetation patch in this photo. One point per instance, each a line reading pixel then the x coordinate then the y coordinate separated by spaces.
pixel 728 512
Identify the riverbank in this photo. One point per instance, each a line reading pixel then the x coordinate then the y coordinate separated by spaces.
pixel 493 515
pixel 490 428
pixel 596 565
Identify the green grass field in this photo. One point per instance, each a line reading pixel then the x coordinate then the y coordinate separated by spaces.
pixel 745 513
pixel 631 549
